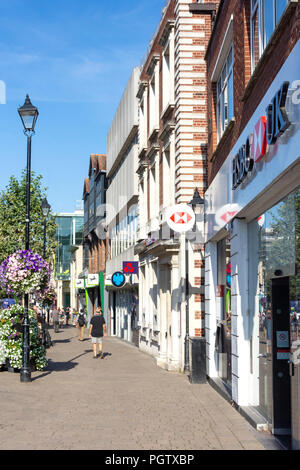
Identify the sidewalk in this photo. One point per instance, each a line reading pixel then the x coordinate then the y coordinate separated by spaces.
pixel 124 402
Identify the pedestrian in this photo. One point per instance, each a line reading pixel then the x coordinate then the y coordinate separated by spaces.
pixel 67 316
pixel 81 322
pixel 97 329
pixel 55 318
pixel 73 315
pixel 38 316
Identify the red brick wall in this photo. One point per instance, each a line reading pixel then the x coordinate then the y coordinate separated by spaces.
pixel 270 66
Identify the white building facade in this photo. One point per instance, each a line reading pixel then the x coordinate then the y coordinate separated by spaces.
pixel 122 211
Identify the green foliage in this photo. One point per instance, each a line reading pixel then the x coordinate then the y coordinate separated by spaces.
pixel 13 215
pixel 285 247
pixel 11 338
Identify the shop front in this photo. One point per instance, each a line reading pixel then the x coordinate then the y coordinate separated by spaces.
pixel 252 261
pixel 123 308
pixel 94 292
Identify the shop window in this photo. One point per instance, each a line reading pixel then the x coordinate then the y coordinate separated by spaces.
pixel 223 335
pixel 265 15
pixel 274 255
pixel 225 96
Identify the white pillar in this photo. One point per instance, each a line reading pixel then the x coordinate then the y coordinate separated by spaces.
pixel 163 314
pixel 211 307
pixel 240 314
pixel 175 315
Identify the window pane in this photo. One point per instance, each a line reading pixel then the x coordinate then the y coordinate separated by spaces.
pixel 219 88
pixel 269 23
pixel 226 106
pixel 230 98
pixel 255 40
pixel 229 60
pixel 280 6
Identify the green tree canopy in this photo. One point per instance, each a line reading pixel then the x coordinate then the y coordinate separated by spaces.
pixel 13 215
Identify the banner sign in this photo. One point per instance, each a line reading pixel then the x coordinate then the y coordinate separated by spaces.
pixel 79 283
pixel 92 280
pixel 130 267
pixel 118 279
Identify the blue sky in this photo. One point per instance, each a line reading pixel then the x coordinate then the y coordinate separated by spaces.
pixel 73 58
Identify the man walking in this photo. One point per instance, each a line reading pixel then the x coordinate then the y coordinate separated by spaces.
pixel 81 322
pixel 55 318
pixel 97 328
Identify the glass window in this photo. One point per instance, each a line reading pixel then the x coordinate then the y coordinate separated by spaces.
pixel 223 335
pixel 225 96
pixel 265 15
pixel 274 257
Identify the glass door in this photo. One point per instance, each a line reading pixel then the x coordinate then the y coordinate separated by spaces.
pixel 223 336
pixel 295 334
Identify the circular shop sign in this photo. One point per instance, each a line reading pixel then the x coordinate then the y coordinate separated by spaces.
pixel 180 218
pixel 118 279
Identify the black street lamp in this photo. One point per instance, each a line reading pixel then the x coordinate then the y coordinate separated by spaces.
pixel 195 203
pixel 45 210
pixel 28 114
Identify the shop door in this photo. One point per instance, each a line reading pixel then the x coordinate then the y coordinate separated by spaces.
pixel 113 313
pixel 281 354
pixel 295 363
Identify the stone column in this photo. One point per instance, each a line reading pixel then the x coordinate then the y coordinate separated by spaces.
pixel 163 314
pixel 174 357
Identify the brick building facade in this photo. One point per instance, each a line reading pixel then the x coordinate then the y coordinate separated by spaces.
pixel 172 164
pixel 95 246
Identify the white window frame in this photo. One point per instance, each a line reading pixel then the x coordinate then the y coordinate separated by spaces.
pixel 223 94
pixel 257 7
pixel 168 72
pixel 154 99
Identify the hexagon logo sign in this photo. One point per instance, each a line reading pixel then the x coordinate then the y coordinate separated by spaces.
pixel 118 279
pixel 180 218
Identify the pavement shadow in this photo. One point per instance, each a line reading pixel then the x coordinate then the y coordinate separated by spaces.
pixel 63 366
pixel 105 354
pixel 61 341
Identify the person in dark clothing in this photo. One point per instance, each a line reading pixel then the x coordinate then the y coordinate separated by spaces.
pixel 97 331
pixel 55 318
pixel 67 316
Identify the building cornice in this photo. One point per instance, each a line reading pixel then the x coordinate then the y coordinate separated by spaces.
pixel 154 59
pixel 166 32
pixel 142 87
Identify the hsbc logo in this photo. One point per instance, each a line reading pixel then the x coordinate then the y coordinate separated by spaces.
pixel 266 132
pixel 259 140
pixel 180 218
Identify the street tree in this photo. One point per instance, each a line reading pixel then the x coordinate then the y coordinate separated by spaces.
pixel 13 215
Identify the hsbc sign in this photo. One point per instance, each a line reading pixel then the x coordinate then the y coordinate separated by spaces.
pixel 180 218
pixel 266 132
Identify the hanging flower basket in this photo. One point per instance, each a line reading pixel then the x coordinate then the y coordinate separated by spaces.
pixel 11 340
pixel 24 272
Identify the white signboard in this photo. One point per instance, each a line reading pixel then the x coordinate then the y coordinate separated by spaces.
pixel 180 218
pixel 92 280
pixel 79 284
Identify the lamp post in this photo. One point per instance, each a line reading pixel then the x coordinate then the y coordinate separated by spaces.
pixel 28 114
pixel 45 210
pixel 195 203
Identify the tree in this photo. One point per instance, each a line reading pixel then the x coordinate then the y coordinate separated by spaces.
pixel 13 214
pixel 285 247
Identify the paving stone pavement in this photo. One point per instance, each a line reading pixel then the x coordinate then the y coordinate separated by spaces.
pixel 124 402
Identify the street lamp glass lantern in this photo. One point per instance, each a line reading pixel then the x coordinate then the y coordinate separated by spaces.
pixel 45 208
pixel 28 114
pixel 197 202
